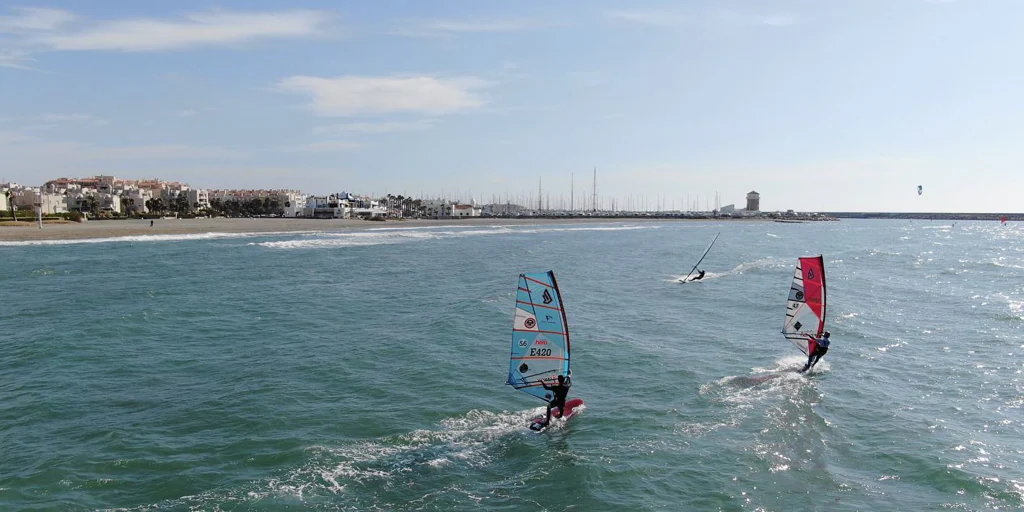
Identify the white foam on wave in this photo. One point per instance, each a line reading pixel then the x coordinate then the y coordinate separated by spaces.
pixel 589 228
pixel 152 238
pixel 764 263
pixel 464 439
pixel 384 236
pixel 708 276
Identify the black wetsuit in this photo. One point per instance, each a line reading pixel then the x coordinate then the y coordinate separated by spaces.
pixel 820 348
pixel 560 391
pixel 699 276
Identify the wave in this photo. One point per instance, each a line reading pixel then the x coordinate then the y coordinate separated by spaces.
pixel 358 470
pixel 742 268
pixel 385 236
pixel 152 238
pixel 465 440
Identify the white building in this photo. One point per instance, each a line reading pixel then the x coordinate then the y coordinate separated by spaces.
pixel 51 204
pixel 465 210
pixel 293 203
pixel 5 203
pixel 135 200
pixel 326 207
pixel 198 199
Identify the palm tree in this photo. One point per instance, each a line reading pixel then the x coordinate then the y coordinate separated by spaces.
pixel 127 205
pixel 94 206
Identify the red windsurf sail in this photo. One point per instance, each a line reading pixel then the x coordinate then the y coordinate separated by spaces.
pixel 805 309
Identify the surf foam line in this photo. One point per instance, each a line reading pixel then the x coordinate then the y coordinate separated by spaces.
pixel 403 235
pixel 154 238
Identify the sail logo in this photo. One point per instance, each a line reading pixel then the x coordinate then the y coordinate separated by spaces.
pixel 540 341
pixel 810 273
pixel 547 297
pixel 530 323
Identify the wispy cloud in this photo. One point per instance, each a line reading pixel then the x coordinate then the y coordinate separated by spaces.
pixel 358 95
pixel 653 17
pixel 214 28
pixel 676 18
pixel 31 19
pixel 11 58
pixel 10 137
pixel 442 27
pixel 62 118
pixel 160 151
pixel 22 147
pixel 326 146
pixel 188 112
pixel 72 118
pixel 777 21
pixel 34 30
pixel 382 127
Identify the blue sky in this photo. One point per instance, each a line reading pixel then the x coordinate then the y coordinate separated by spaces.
pixel 831 105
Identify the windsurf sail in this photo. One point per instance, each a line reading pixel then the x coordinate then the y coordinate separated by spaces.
pixel 540 336
pixel 805 310
pixel 702 257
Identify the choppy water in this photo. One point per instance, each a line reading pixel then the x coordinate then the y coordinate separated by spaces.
pixel 365 371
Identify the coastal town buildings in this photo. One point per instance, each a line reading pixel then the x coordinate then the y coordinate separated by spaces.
pixel 443 209
pixel 109 196
pixel 325 207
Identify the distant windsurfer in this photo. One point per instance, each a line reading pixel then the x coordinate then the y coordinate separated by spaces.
pixel 560 391
pixel 700 275
pixel 820 348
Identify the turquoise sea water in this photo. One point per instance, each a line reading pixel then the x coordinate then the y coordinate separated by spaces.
pixel 365 370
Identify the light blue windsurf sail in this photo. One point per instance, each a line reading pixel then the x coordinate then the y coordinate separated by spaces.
pixel 540 336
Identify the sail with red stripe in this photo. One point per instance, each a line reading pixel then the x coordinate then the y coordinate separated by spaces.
pixel 805 309
pixel 540 336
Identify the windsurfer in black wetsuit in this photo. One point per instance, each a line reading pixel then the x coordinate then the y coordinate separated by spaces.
pixel 559 391
pixel 700 275
pixel 820 348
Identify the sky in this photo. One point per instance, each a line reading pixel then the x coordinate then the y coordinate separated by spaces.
pixel 818 105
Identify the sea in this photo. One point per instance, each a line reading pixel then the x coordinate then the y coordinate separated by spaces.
pixel 364 370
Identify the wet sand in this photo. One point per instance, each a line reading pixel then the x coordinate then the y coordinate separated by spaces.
pixel 117 228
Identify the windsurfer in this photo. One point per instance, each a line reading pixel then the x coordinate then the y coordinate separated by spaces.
pixel 820 348
pixel 560 391
pixel 700 275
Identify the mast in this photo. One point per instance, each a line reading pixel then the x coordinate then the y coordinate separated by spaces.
pixel 593 203
pixel 540 195
pixel 572 190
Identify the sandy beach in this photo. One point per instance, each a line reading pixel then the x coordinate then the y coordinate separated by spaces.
pixel 136 227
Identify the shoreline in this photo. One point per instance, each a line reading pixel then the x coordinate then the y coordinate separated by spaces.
pixel 139 227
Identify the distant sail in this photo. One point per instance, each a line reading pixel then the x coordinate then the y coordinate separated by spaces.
pixel 540 335
pixel 805 310
pixel 702 257
pixel 920 190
